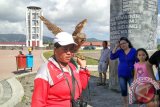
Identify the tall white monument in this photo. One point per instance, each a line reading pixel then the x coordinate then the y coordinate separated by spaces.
pixel 34 27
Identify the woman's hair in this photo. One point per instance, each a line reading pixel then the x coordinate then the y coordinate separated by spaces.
pixel 126 39
pixel 142 49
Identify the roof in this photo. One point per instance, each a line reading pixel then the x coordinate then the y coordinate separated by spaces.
pixel 13 43
pixel 33 7
pixel 93 43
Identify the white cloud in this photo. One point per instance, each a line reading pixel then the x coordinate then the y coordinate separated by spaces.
pixel 64 13
pixel 8 27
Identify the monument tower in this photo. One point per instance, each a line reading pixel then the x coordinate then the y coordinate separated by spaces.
pixel 34 27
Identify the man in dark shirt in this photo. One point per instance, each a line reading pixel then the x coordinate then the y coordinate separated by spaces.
pixel 155 60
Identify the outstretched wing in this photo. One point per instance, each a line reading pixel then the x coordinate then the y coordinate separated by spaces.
pixel 52 27
pixel 79 27
pixel 79 37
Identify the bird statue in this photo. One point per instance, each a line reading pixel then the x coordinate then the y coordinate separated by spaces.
pixel 78 37
pixel 52 27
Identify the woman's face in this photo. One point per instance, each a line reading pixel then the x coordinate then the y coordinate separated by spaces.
pixel 124 44
pixel 141 56
pixel 64 53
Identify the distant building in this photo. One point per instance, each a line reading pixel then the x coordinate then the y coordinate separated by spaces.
pixel 97 45
pixel 12 44
pixel 34 27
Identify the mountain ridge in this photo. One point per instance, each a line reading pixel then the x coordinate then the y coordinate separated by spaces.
pixel 22 38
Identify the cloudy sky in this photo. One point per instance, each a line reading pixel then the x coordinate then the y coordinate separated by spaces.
pixel 64 13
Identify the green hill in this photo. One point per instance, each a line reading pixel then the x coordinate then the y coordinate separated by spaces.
pixel 19 38
pixel 22 38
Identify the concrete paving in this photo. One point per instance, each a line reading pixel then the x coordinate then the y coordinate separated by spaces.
pixel 8 67
pixel 11 91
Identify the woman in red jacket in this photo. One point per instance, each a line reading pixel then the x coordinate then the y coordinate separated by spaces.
pixel 53 85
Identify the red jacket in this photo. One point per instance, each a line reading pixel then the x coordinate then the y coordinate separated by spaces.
pixel 51 88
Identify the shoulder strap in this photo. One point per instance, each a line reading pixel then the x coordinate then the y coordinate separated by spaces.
pixel 72 92
pixel 56 75
pixel 73 83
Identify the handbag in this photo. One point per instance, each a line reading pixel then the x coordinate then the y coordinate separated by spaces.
pixel 145 93
pixel 144 90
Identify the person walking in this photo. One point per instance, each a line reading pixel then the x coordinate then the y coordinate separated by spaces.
pixel 103 64
pixel 58 82
pixel 126 54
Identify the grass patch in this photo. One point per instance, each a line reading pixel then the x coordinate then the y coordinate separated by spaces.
pixel 48 54
pixel 24 98
pixel 90 61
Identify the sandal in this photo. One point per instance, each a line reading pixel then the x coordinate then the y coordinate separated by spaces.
pixel 99 84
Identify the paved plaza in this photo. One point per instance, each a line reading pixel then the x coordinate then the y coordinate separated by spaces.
pixel 8 67
pixel 11 91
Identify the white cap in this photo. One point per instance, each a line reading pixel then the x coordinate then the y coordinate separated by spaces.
pixel 64 38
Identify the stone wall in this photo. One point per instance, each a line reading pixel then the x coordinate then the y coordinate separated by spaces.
pixel 135 19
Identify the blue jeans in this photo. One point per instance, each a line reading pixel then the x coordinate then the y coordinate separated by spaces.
pixel 123 85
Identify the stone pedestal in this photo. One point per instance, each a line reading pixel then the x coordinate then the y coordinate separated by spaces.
pixel 113 76
pixel 136 20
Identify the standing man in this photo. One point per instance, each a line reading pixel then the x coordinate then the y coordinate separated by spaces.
pixel 155 60
pixel 103 63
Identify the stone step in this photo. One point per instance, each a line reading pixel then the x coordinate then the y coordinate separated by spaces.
pixel 5 91
pixel 11 92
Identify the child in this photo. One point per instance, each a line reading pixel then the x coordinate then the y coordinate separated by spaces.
pixel 141 70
